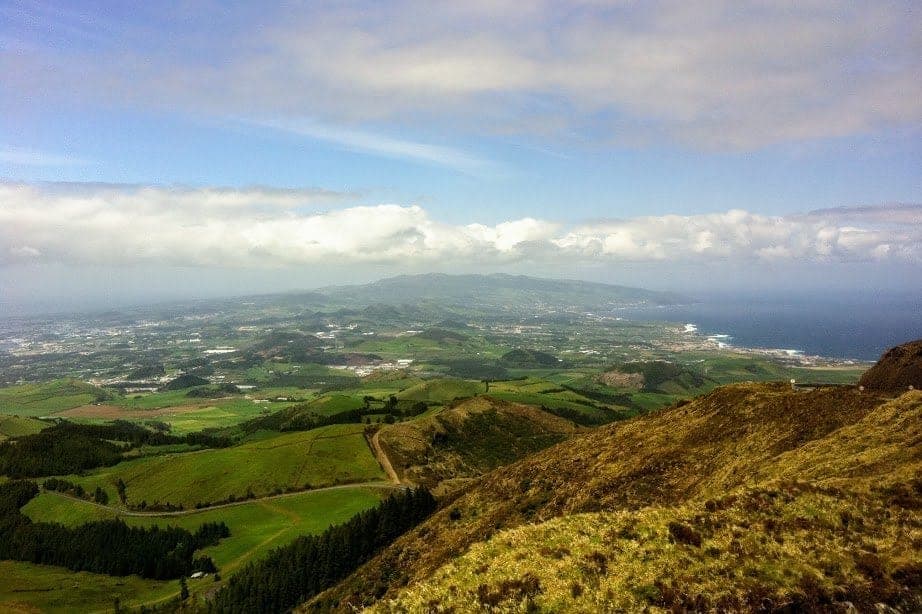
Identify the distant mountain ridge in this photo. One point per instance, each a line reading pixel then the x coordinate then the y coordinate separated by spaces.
pixel 496 290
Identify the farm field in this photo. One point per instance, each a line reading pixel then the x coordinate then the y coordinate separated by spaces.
pixel 186 416
pixel 16 426
pixel 256 527
pixel 325 456
pixel 33 400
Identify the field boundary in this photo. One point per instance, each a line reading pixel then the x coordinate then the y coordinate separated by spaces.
pixel 189 512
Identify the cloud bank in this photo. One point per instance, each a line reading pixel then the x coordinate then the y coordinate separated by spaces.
pixel 710 74
pixel 263 228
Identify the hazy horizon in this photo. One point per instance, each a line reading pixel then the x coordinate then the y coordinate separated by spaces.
pixel 187 151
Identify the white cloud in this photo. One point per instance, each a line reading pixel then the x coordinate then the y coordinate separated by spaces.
pixel 362 141
pixel 715 73
pixel 261 228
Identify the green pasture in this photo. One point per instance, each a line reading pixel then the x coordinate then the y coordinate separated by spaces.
pixel 32 400
pixel 328 455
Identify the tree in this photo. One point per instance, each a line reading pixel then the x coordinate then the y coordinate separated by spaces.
pixel 100 496
pixel 183 589
pixel 120 487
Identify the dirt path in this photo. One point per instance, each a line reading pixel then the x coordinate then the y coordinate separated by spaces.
pixel 383 460
pixel 121 512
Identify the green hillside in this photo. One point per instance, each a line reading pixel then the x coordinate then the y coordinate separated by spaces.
pixel 34 400
pixel 467 440
pixel 329 455
pixel 256 527
pixel 16 426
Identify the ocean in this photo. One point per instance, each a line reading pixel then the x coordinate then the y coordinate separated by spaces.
pixel 849 327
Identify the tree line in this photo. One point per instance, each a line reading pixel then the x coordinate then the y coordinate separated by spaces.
pixel 73 448
pixel 294 573
pixel 300 418
pixel 107 547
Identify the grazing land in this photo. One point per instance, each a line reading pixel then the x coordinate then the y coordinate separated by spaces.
pixel 272 464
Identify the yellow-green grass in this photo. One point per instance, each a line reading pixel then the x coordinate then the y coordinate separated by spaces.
pixel 779 545
pixel 224 413
pixel 336 454
pixel 733 366
pixel 256 528
pixel 16 426
pixel 184 416
pixel 441 390
pixel 334 403
pixel 25 587
pixel 69 511
pixel 33 400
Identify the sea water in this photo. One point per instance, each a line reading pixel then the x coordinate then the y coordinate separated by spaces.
pixel 855 327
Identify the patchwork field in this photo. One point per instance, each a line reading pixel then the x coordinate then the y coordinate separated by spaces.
pixel 186 417
pixel 256 527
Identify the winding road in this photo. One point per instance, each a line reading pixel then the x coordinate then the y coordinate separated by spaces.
pixel 383 460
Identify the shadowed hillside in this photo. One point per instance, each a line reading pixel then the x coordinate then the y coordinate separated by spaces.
pixel 468 440
pixel 833 477
pixel 897 370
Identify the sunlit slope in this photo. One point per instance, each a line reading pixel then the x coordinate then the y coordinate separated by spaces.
pixel 325 456
pixel 859 450
pixel 44 399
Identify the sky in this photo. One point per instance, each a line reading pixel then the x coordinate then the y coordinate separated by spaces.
pixel 176 149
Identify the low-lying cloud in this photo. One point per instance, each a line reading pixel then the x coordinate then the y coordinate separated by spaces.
pixel 264 228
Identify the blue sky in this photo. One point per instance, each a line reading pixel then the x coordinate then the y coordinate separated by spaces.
pixel 623 141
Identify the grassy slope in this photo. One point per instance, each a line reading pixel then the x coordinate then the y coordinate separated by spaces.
pixel 34 400
pixel 324 456
pixel 469 439
pixel 16 426
pixel 256 527
pixel 736 438
pixel 441 390
pixel 785 546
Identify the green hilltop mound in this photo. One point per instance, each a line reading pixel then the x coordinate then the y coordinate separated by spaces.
pixel 467 440
pixel 752 496
pixel 656 376
pixel 898 369
pixel 288 345
pixel 441 391
pixel 528 359
pixel 442 335
pixel 185 381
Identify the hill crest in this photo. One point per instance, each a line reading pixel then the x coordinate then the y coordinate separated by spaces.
pixel 732 440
